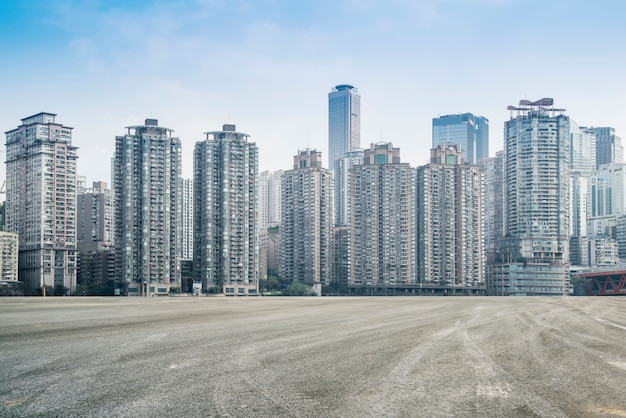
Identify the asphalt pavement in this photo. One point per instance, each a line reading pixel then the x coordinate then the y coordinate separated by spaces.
pixel 313 357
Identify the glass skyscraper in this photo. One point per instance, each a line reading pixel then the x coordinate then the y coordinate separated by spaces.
pixel 469 131
pixel 344 122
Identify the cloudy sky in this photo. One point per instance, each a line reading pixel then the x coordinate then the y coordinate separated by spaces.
pixel 268 65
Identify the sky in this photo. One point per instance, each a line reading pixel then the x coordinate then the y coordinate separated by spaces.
pixel 268 66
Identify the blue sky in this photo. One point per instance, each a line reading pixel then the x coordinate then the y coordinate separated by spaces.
pixel 268 65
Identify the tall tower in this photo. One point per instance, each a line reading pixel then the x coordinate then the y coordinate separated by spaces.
pixel 494 205
pixel 382 219
pixel 41 201
pixel 449 220
pixel 469 131
pixel 307 221
pixel 96 233
pixel 146 180
pixel 269 198
pixel 225 219
pixel 535 258
pixel 187 218
pixel 96 223
pixel 582 166
pixel 344 122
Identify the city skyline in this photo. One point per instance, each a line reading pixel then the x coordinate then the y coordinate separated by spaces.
pixel 110 65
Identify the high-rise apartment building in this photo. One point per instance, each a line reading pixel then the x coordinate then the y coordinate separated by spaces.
pixel 146 180
pixel 609 147
pixel 269 198
pixel 607 200
pixel 225 220
pixel 307 221
pixel 449 220
pixel 494 205
pixel 344 122
pixel 535 255
pixel 469 131
pixel 8 257
pixel 382 219
pixel 582 165
pixel 187 218
pixel 582 149
pixel 96 234
pixel 41 201
pixel 96 221
pixel 343 165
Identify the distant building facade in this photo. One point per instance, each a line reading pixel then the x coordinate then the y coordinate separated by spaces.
pixel 307 221
pixel 41 201
pixel 467 130
pixel 382 219
pixel 187 218
pixel 147 191
pixel 269 198
pixel 344 122
pixel 96 233
pixel 494 203
pixel 343 167
pixel 226 254
pixel 96 218
pixel 534 256
pixel 449 220
pixel 8 257
pixel 609 148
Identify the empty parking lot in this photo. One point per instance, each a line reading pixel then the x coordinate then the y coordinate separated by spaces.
pixel 322 357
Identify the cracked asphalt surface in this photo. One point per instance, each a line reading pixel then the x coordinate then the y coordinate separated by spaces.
pixel 313 357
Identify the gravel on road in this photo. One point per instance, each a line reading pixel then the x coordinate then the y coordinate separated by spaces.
pixel 313 357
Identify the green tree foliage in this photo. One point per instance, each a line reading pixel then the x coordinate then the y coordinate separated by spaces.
pixel 299 289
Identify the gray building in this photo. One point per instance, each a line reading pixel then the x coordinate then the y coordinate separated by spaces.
pixel 96 232
pixel 344 122
pixel 41 201
pixel 382 219
pixel 494 204
pixel 609 147
pixel 535 254
pixel 343 167
pixel 146 185
pixel 307 221
pixel 96 221
pixel 226 254
pixel 469 131
pixel 449 221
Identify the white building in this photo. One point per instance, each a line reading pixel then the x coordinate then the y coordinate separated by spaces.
pixel 307 221
pixel 187 218
pixel 8 257
pixel 226 253
pixel 269 198
pixel 41 201
pixel 146 180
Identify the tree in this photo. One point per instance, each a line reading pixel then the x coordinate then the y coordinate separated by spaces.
pixel 299 289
